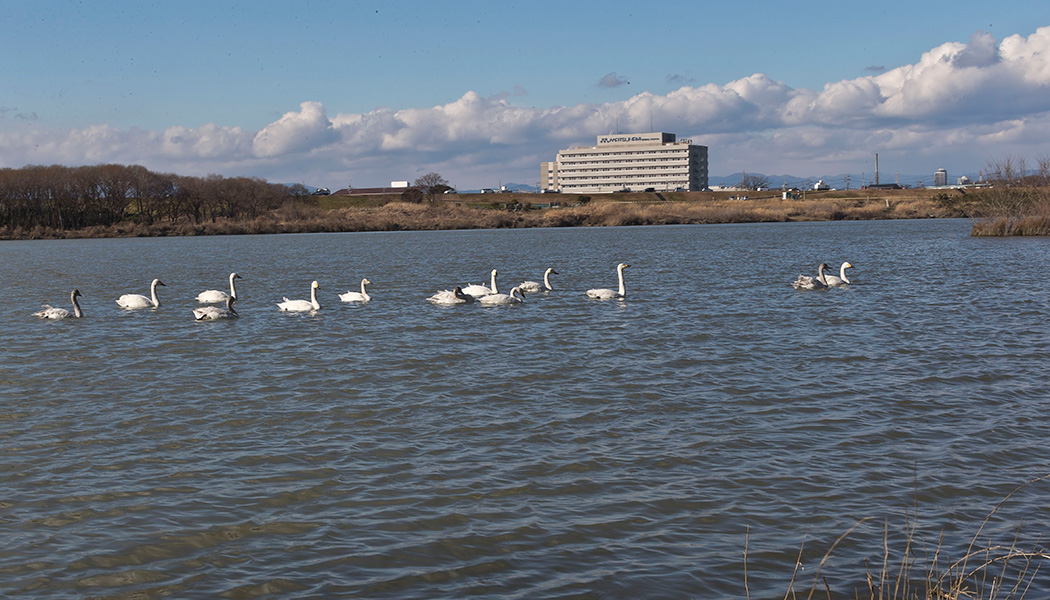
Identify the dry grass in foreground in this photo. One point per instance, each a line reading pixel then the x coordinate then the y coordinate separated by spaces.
pixel 983 573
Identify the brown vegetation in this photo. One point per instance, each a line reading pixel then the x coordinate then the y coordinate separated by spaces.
pixel 492 211
pixel 1018 202
pixel 123 201
pixel 921 571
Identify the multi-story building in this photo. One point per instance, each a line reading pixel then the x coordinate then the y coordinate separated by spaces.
pixel 940 178
pixel 634 161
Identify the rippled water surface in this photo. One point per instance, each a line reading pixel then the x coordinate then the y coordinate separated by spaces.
pixel 562 448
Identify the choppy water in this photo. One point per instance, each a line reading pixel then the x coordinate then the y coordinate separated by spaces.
pixel 562 448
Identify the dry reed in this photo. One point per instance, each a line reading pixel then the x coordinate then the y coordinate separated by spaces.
pixel 990 573
pixel 619 210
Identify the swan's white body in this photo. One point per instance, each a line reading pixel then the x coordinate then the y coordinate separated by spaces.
pixel 51 312
pixel 841 279
pixel 514 297
pixel 131 301
pixel 214 313
pixel 361 296
pixel 217 296
pixel 607 294
pixel 478 291
pixel 807 282
pixel 302 305
pixel 531 287
pixel 453 296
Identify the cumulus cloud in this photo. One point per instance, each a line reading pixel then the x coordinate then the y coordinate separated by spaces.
pixel 295 132
pixel 975 99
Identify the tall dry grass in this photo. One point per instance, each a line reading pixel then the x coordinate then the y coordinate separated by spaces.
pixel 1011 211
pixel 603 211
pixel 917 571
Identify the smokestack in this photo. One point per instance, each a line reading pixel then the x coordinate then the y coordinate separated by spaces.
pixel 876 168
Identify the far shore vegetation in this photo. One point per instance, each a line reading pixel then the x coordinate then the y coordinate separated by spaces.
pixel 42 202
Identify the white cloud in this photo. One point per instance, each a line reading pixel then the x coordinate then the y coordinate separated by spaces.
pixel 963 101
pixel 295 132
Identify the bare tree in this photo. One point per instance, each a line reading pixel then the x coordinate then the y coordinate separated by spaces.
pixel 431 185
pixel 754 182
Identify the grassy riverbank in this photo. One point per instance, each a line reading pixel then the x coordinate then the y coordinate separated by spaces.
pixel 512 210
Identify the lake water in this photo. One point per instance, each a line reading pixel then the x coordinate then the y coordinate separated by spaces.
pixel 563 448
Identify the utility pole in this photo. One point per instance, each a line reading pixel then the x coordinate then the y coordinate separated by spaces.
pixel 847 183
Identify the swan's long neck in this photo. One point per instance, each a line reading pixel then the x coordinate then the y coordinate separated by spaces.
pixel 494 290
pixel 363 292
pixel 233 290
pixel 229 303
pixel 842 274
pixel 76 306
pixel 313 297
pixel 153 294
pixel 520 295
pixel 820 275
pixel 623 290
pixel 547 279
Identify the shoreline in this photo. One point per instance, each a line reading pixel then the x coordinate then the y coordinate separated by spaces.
pixel 330 214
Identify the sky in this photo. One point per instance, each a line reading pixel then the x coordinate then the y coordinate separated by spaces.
pixel 336 94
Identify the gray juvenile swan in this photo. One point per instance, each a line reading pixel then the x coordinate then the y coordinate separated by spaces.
pixel 217 296
pixel 514 297
pixel 302 305
pixel 131 301
pixel 50 312
pixel 531 287
pixel 841 278
pixel 453 296
pixel 807 282
pixel 361 296
pixel 214 313
pixel 607 294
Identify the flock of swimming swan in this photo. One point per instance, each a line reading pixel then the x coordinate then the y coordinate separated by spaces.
pixel 484 295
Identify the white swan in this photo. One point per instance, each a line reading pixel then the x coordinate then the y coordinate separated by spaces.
pixel 361 296
pixel 477 290
pixel 453 296
pixel 841 279
pixel 217 296
pixel 50 312
pixel 807 282
pixel 531 287
pixel 607 294
pixel 131 301
pixel 302 305
pixel 214 313
pixel 498 299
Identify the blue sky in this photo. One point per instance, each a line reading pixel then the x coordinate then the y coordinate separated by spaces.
pixel 331 93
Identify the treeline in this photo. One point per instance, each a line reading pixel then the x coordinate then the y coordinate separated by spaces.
pixel 68 198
